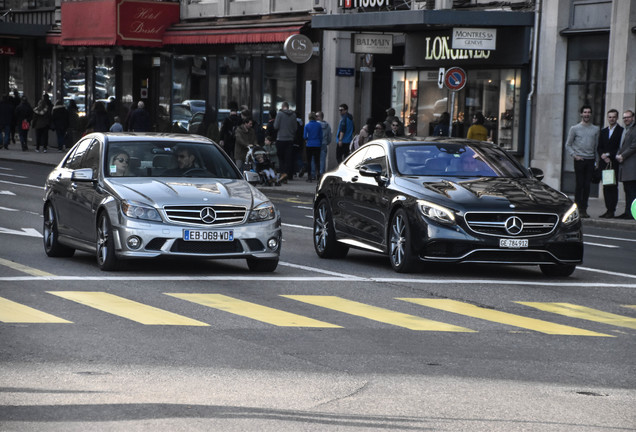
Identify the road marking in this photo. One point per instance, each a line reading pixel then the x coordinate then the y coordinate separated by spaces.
pixel 375 313
pixel 296 226
pixel 252 310
pixel 601 245
pixel 6 192
pixel 16 313
pixel 609 238
pixel 12 175
pixel 128 309
pixel 21 184
pixel 470 310
pixel 8 209
pixel 28 232
pixel 25 269
pixel 585 313
pixel 607 272
pixel 318 270
pixel 304 207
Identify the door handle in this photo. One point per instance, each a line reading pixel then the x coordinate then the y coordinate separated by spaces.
pixel 354 179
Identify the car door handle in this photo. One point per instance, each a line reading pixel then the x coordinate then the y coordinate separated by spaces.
pixel 354 179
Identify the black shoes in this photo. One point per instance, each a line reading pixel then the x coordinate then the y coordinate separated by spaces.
pixel 607 215
pixel 584 214
pixel 625 216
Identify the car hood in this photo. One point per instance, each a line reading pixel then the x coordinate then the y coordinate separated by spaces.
pixel 487 193
pixel 186 191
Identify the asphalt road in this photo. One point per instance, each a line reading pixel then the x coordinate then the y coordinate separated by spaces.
pixel 317 345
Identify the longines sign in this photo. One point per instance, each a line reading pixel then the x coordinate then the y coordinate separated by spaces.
pixel 369 43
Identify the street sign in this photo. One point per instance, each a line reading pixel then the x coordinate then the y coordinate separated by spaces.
pixel 455 79
pixel 440 77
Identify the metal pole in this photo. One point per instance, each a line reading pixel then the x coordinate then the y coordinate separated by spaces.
pixel 450 125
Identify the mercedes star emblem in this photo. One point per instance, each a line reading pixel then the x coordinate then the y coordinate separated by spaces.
pixel 514 225
pixel 208 215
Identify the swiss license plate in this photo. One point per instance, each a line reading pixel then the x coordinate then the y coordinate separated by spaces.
pixel 513 243
pixel 206 235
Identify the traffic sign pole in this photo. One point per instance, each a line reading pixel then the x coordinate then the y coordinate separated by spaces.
pixel 454 80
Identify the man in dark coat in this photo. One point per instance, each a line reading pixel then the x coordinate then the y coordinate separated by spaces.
pixel 609 141
pixel 24 111
pixel 6 120
pixel 139 120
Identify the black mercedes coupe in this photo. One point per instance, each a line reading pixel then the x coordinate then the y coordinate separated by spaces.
pixel 445 200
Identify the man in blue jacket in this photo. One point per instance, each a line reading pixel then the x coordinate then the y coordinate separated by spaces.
pixel 313 138
pixel 344 135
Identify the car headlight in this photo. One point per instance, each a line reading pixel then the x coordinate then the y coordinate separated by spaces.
pixel 262 212
pixel 138 211
pixel 571 216
pixel 436 212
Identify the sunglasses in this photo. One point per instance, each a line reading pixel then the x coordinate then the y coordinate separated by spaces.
pixel 121 160
pixel 182 156
pixel 394 124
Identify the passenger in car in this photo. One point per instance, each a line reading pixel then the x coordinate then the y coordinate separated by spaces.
pixel 119 164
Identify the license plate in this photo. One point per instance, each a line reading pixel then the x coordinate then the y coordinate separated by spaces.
pixel 513 243
pixel 211 236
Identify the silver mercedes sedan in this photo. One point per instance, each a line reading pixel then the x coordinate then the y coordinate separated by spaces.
pixel 133 195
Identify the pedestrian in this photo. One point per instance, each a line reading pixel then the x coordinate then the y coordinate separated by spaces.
pixel 272 152
pixel 75 124
pixel 626 157
pixel 15 101
pixel 116 126
pixel 394 130
pixel 270 131
pixel 581 146
pixel 478 131
pixel 344 134
pixel 209 127
pixel 379 131
pixel 139 119
pixel 392 118
pixel 285 125
pixel 42 122
pixel 60 120
pixel 609 141
pixel 299 156
pixel 227 135
pixel 23 117
pixel 442 127
pixel 98 119
pixel 313 141
pixel 326 140
pixel 245 137
pixel 6 120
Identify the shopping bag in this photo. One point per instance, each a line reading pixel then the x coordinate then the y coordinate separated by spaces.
pixel 609 177
pixel 25 124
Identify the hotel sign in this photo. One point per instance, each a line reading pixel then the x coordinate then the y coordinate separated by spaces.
pixel 355 4
pixel 369 43
pixel 474 39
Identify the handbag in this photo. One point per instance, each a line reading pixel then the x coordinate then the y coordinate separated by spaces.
pixel 25 124
pixel 609 175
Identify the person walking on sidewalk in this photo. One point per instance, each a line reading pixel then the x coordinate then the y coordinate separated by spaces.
pixel 313 138
pixel 344 134
pixel 626 157
pixel 608 143
pixel 326 140
pixel 23 116
pixel 42 123
pixel 61 120
pixel 286 126
pixel 6 120
pixel 581 146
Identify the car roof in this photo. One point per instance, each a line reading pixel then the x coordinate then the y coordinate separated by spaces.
pixel 114 137
pixel 405 141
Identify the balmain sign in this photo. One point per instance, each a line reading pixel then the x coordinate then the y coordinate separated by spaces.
pixel 369 43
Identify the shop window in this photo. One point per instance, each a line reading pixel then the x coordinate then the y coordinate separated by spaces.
pixel 104 77
pixel 74 82
pixel 16 75
pixel 279 86
pixel 234 81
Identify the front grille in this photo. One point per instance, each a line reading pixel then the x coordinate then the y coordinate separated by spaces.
pixel 197 247
pixel 156 243
pixel 494 224
pixel 510 256
pixel 225 214
pixel 255 245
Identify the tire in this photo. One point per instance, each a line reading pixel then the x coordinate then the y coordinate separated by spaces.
pixel 325 242
pixel 557 270
pixel 106 259
pixel 262 265
pixel 52 245
pixel 400 251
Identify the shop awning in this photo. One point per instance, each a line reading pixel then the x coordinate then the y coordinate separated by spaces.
pixel 229 35
pixel 115 22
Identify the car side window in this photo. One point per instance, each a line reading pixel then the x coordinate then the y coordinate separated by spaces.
pixel 75 159
pixel 91 160
pixel 376 155
pixel 357 157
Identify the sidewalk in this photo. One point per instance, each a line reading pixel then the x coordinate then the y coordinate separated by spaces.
pixel 301 187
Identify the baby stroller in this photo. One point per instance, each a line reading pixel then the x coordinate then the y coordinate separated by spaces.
pixel 258 161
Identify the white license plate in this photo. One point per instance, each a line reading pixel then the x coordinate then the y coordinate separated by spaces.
pixel 206 235
pixel 513 243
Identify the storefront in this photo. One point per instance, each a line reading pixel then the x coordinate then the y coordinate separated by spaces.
pixel 496 85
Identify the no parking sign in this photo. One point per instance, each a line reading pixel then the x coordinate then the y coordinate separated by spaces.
pixel 455 79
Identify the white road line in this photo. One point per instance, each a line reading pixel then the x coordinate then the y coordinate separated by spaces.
pixel 8 209
pixel 296 226
pixel 304 207
pixel 21 184
pixel 609 238
pixel 12 175
pixel 601 245
pixel 627 275
pixel 318 270
pixel 6 192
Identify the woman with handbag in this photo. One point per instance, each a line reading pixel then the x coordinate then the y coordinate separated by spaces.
pixel 23 116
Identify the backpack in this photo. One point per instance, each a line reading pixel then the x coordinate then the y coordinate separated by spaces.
pixel 355 143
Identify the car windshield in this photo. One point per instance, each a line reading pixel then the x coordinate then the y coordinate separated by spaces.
pixel 455 160
pixel 168 159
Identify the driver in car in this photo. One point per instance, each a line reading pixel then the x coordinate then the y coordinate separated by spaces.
pixel 185 164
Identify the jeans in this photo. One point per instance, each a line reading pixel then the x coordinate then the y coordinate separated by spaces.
pixel 313 160
pixel 60 139
pixel 323 158
pixel 342 151
pixel 6 130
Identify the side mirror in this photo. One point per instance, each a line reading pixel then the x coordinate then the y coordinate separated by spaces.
pixel 536 173
pixel 82 175
pixel 251 177
pixel 370 170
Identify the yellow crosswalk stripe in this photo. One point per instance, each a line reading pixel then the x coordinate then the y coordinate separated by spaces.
pixel 12 312
pixel 376 313
pixel 582 312
pixel 23 268
pixel 128 309
pixel 252 310
pixel 502 317
pixel 629 306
